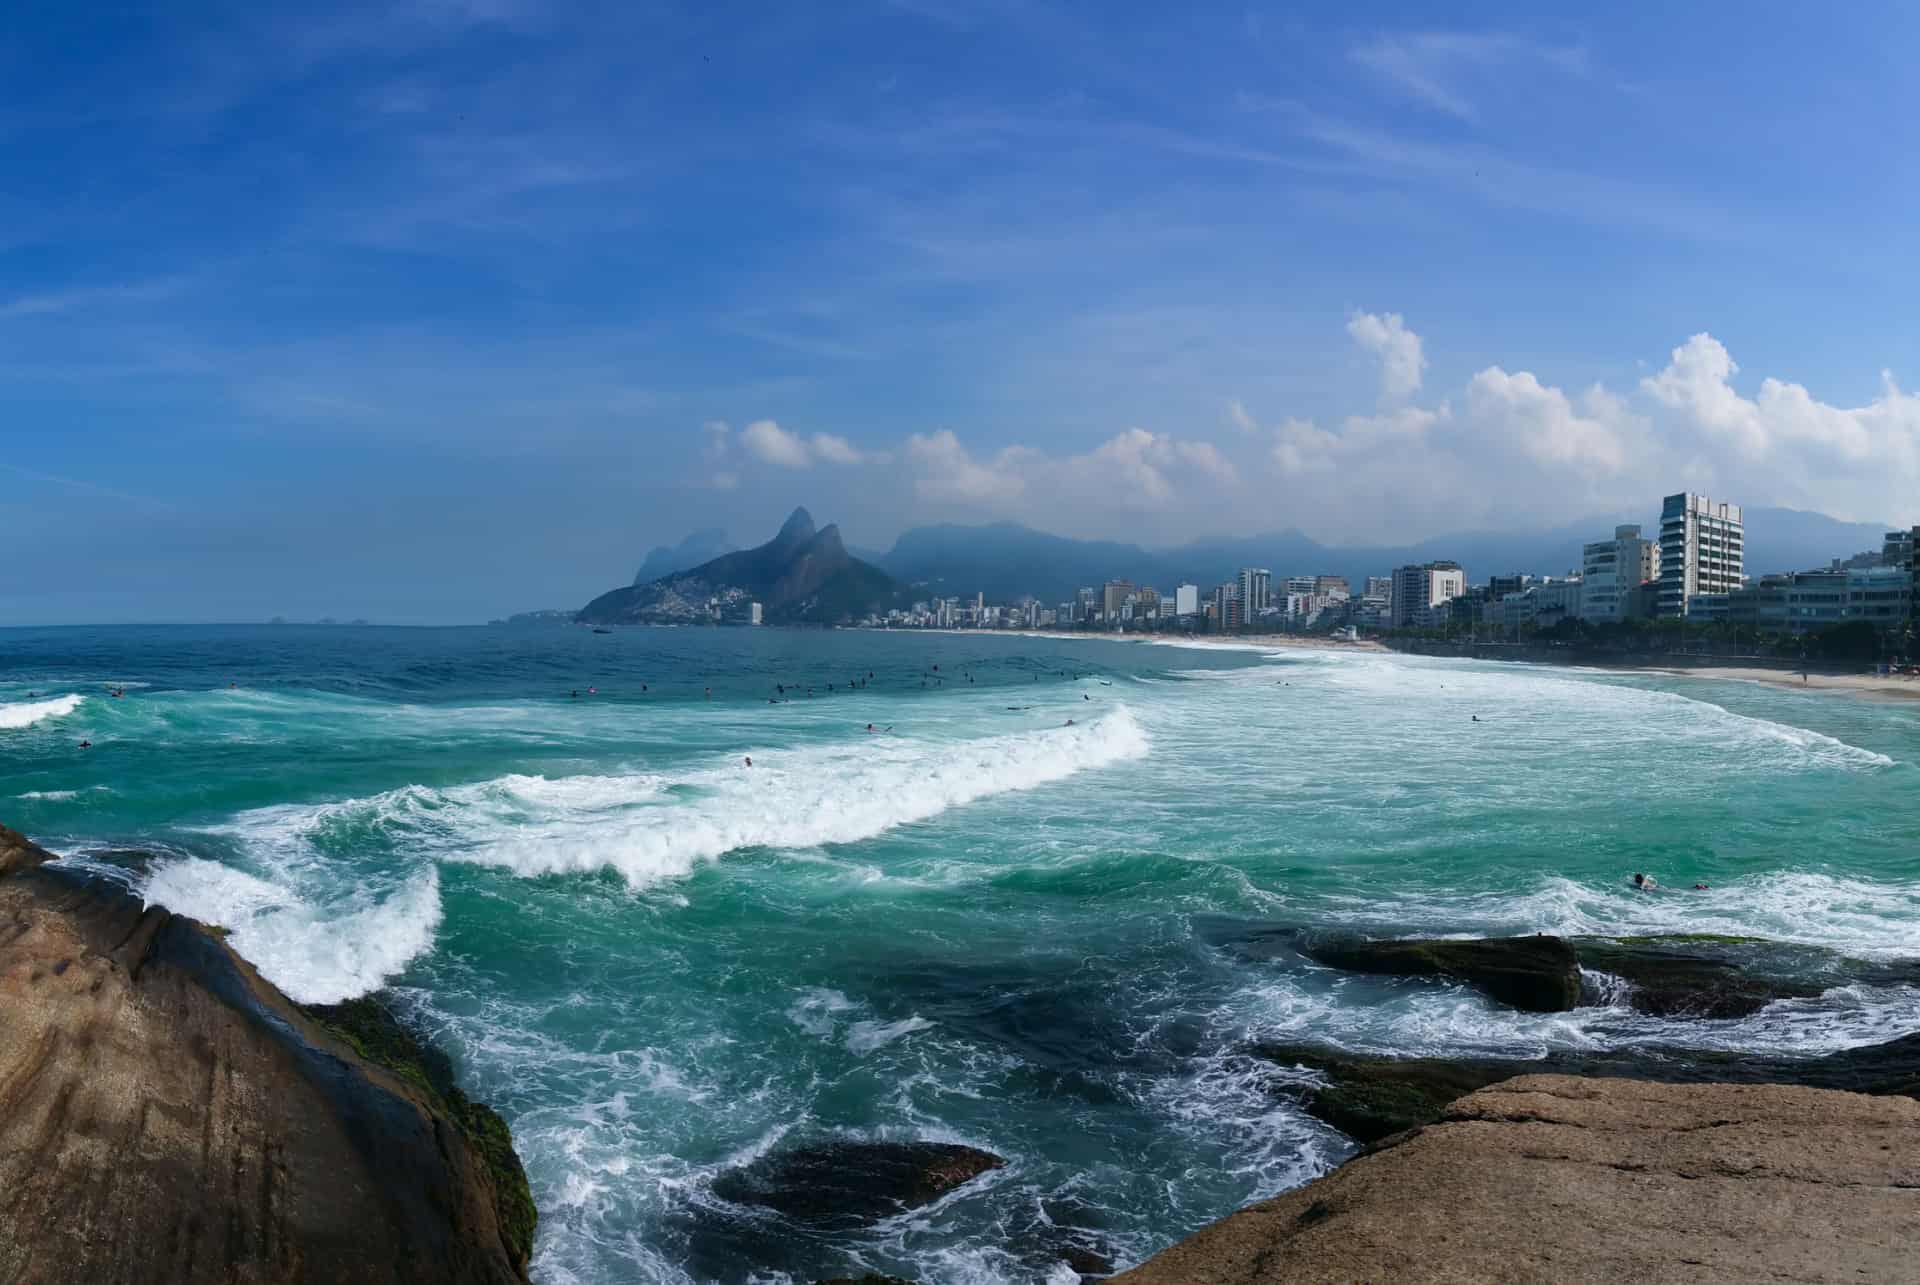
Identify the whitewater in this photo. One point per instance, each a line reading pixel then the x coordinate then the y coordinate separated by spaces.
pixel 1023 912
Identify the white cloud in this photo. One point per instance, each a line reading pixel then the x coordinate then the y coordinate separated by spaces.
pixel 835 450
pixel 775 445
pixel 718 440
pixel 724 480
pixel 1402 360
pixel 946 471
pixel 1439 68
pixel 1511 449
pixel 1542 421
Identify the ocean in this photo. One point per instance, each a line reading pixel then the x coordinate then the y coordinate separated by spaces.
pixel 1015 914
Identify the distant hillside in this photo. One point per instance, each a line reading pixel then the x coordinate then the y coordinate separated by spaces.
pixel 701 546
pixel 801 575
pixel 1006 560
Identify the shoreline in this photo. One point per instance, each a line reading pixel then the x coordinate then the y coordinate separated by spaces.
pixel 1238 642
pixel 1876 686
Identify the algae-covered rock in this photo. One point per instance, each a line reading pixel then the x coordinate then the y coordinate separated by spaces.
pixel 1539 974
pixel 837 1183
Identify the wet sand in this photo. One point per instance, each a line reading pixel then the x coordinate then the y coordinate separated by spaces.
pixel 1892 686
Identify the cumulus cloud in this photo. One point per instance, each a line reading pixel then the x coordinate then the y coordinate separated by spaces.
pixel 1511 448
pixel 775 445
pixel 1402 360
pixel 834 450
pixel 1543 423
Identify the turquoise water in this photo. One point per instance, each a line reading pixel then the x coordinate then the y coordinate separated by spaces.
pixel 976 923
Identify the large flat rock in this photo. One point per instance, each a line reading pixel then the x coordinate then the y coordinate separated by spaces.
pixel 1562 1178
pixel 167 1115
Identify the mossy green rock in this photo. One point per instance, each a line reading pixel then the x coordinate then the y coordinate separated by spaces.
pixel 371 1030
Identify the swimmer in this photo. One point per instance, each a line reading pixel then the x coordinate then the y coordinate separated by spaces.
pixel 1644 882
pixel 1085 697
pixel 869 727
pixel 708 695
pixel 1069 722
pixel 1476 718
pixel 86 745
pixel 749 760
pixel 1700 887
pixel 574 694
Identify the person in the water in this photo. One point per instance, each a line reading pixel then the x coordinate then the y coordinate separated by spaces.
pixel 749 760
pixel 1645 882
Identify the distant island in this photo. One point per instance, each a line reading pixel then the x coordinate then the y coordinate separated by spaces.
pixel 801 576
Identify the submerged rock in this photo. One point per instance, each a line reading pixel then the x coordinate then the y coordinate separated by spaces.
pixel 1371 1098
pixel 846 1183
pixel 1700 976
pixel 1556 1178
pixel 167 1115
pixel 1539 974
pixel 1679 975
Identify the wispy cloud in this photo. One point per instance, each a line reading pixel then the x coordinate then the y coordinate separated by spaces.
pixel 1443 69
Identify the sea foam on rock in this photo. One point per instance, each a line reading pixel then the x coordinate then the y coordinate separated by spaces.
pixel 167 1115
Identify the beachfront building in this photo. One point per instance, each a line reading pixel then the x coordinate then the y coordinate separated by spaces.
pixel 1805 602
pixel 1612 572
pixel 1228 612
pixel 1702 551
pixel 1417 588
pixel 1256 590
pixel 1541 605
pixel 1113 596
pixel 1186 600
pixel 1332 588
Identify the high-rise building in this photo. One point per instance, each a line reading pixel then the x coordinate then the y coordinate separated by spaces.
pixel 1702 550
pixel 1299 584
pixel 1331 587
pixel 1186 600
pixel 1114 597
pixel 1256 590
pixel 1416 588
pixel 1499 587
pixel 1613 570
pixel 1229 611
pixel 1379 587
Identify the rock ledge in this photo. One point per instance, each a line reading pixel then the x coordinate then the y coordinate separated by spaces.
pixel 1561 1178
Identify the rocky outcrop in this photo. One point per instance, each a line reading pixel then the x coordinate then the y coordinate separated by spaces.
pixel 849 1183
pixel 167 1115
pixel 1557 1178
pixel 1370 1098
pixel 1682 975
pixel 1539 974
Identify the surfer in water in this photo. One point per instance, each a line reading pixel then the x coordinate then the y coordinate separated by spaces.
pixel 749 760
pixel 1645 882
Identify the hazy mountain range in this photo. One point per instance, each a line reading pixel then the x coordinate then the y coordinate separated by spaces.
pixel 1006 560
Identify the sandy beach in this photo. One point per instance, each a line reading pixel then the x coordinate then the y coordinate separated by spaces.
pixel 1890 686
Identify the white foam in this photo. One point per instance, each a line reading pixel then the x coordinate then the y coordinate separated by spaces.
pixel 864 1037
pixel 27 713
pixel 652 827
pixel 317 955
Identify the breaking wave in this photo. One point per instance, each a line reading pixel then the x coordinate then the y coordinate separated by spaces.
pixel 651 827
pixel 27 713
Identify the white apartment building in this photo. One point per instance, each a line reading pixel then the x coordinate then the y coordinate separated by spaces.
pixel 1702 550
pixel 1416 588
pixel 1613 571
pixel 1186 600
pixel 1256 590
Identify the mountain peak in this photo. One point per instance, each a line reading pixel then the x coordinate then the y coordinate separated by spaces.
pixel 828 541
pixel 799 526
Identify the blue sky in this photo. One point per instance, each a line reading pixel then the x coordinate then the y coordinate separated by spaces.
pixel 436 310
